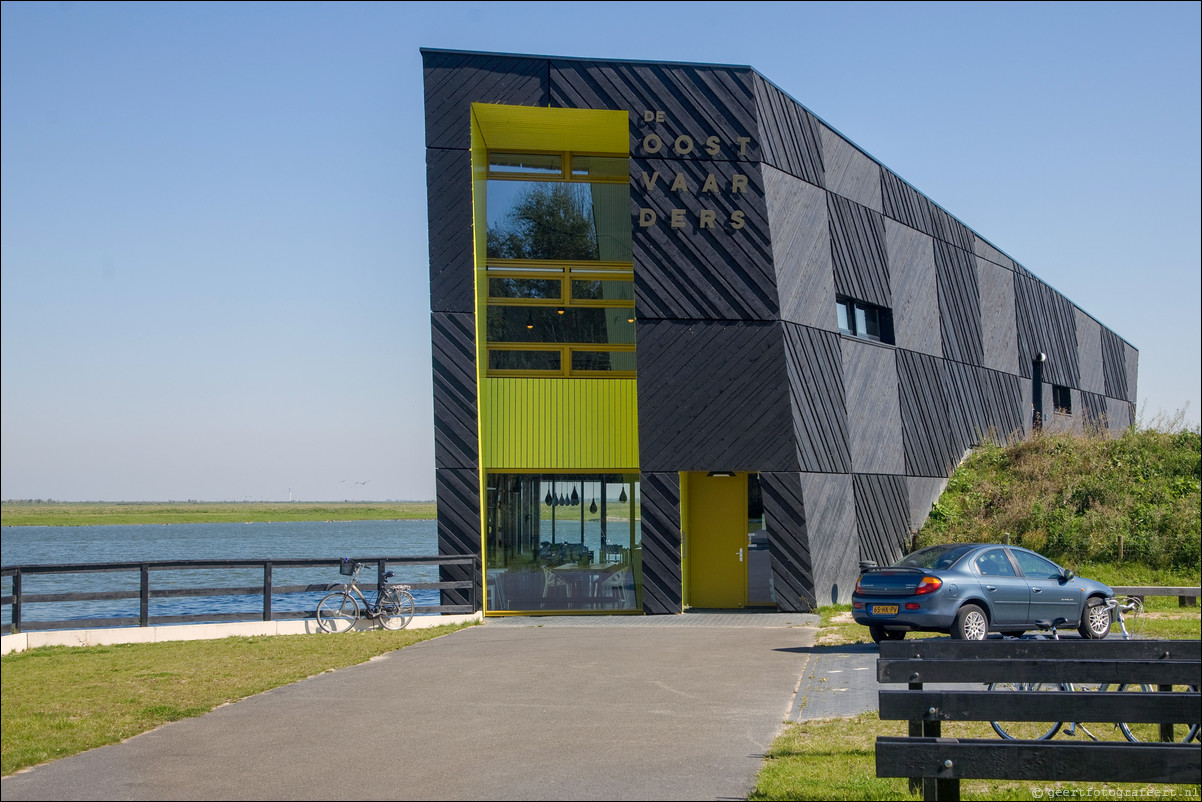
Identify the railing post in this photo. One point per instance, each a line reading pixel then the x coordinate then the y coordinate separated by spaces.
pixel 915 730
pixel 144 596
pixel 267 590
pixel 16 614
pixel 1166 728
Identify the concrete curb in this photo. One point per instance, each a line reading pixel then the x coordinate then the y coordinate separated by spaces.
pixel 159 634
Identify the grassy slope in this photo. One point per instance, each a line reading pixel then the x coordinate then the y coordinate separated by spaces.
pixel 96 513
pixel 1122 510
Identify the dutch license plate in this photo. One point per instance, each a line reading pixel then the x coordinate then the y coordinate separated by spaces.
pixel 884 609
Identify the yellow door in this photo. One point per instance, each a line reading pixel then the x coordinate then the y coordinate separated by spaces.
pixel 717 540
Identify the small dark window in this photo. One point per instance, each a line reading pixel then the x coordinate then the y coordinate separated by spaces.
pixel 1062 400
pixel 866 320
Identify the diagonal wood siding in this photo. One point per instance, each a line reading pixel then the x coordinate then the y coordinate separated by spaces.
pixel 716 273
pixel 453 81
pixel 697 100
pixel 858 251
pixel 789 134
pixel 1047 323
pixel 926 426
pixel 959 304
pixel 456 442
pixel 449 204
pixel 713 395
pixel 882 516
pixel 458 526
pixel 814 364
pixel 788 541
pixel 660 511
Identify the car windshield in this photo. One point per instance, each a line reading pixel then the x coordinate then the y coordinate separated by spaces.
pixel 935 557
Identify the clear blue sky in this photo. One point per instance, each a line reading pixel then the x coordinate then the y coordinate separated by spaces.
pixel 214 246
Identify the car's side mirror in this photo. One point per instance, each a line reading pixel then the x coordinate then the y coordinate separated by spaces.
pixel 1067 575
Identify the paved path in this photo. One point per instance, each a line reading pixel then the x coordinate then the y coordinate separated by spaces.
pixel 613 708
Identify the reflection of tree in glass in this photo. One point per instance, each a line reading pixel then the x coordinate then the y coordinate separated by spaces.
pixel 549 221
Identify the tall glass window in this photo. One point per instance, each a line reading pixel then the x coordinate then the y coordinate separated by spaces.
pixel 563 542
pixel 559 274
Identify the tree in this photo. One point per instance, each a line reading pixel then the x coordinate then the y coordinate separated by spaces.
pixel 548 221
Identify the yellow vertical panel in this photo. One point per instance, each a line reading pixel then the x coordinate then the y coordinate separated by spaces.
pixel 551 129
pixel 559 424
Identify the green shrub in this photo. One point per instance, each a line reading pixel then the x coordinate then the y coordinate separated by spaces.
pixel 1082 498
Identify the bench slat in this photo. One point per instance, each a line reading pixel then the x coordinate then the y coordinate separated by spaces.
pixel 1068 761
pixel 1044 669
pixel 1133 708
pixel 1028 649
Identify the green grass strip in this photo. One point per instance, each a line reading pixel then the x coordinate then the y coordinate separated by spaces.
pixel 62 700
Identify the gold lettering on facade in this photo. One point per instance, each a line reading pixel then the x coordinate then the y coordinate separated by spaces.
pixel 714 183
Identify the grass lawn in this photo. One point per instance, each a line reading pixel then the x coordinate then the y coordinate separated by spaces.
pixel 835 758
pixel 57 701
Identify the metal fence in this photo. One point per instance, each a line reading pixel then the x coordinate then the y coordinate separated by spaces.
pixel 456 596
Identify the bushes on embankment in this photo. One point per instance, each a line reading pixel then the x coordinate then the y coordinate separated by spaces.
pixel 1082 498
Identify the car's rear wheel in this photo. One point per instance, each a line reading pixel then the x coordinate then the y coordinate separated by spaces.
pixel 879 633
pixel 1095 619
pixel 971 623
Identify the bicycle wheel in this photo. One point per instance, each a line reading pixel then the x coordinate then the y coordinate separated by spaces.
pixel 1026 730
pixel 337 612
pixel 1151 732
pixel 1094 730
pixel 396 609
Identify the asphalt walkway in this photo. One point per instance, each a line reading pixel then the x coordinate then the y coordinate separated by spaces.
pixel 613 708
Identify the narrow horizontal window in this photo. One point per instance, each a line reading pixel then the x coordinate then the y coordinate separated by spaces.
pixel 861 319
pixel 1062 399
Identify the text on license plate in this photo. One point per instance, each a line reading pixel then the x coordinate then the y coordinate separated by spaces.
pixel 884 609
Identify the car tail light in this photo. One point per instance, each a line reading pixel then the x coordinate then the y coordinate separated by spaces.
pixel 857 605
pixel 928 584
pixel 913 606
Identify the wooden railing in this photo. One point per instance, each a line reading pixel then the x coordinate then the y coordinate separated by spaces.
pixel 457 596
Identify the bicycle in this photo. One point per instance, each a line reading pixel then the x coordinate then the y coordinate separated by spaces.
pixel 1120 611
pixel 341 610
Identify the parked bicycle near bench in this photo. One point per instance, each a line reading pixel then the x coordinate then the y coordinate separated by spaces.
pixel 1121 612
pixel 339 611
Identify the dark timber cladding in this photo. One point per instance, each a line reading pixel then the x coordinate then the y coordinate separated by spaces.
pixel 801 313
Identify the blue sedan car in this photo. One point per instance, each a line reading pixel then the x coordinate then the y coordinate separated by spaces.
pixel 969 590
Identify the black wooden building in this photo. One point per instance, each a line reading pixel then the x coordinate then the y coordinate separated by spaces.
pixel 694 348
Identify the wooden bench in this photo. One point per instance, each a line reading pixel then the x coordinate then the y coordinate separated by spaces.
pixel 940 763
pixel 1186 597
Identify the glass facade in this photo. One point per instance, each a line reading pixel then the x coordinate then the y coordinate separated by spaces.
pixel 559 275
pixel 563 542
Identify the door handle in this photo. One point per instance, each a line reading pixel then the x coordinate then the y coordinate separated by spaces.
pixel 740 555
pixel 1037 590
pixel 991 588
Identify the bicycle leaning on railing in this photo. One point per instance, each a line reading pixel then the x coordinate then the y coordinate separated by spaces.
pixel 1120 612
pixel 342 609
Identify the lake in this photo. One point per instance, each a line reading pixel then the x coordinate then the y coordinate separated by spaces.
pixel 50 545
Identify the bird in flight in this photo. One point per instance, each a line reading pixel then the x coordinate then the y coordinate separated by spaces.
pixel 365 481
